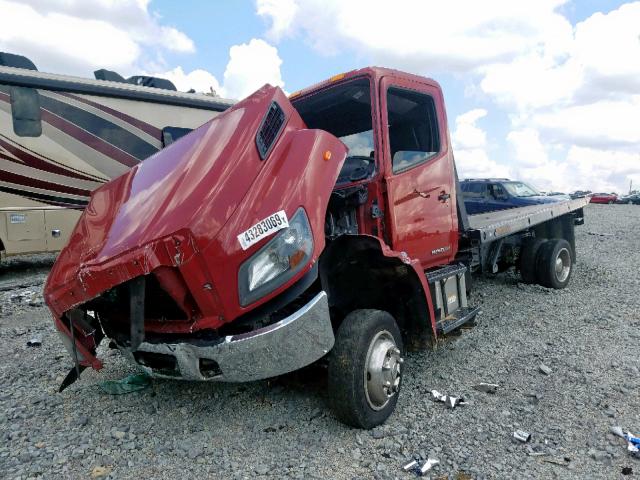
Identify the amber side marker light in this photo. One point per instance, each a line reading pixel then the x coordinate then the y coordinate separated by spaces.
pixel 326 155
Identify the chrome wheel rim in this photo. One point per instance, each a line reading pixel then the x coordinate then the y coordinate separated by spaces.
pixel 563 265
pixel 382 370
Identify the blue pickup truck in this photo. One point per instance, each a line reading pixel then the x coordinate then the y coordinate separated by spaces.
pixel 491 194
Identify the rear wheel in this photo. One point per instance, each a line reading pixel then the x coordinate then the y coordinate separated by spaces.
pixel 528 257
pixel 365 368
pixel 554 263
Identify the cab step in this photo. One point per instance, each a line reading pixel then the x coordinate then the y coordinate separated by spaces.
pixel 457 319
pixel 449 294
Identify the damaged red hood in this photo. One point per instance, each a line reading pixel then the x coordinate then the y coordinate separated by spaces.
pixel 178 214
pixel 195 184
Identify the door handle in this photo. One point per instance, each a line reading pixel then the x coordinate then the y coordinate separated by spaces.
pixel 444 196
pixel 421 194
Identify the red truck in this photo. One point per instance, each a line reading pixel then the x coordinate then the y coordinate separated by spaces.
pixel 321 227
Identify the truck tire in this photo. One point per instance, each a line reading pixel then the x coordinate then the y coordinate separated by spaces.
pixel 365 368
pixel 555 263
pixel 528 259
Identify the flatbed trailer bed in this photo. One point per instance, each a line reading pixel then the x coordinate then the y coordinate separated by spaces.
pixel 487 227
pixel 493 237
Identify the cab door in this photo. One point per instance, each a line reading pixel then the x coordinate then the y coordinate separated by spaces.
pixel 419 171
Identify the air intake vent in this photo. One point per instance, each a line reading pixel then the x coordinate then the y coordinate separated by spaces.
pixel 269 129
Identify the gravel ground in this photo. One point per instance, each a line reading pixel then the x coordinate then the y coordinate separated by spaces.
pixel 588 335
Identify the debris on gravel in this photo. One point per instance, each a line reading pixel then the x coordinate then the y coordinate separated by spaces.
pixel 544 369
pixel 588 334
pixel 486 387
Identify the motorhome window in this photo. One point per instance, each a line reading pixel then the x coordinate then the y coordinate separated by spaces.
pixel 345 111
pixel 171 134
pixel 413 128
pixel 25 112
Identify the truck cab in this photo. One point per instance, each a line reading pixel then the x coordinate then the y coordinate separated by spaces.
pixel 320 227
pixel 399 158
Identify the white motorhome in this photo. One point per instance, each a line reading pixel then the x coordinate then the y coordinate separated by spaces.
pixel 61 137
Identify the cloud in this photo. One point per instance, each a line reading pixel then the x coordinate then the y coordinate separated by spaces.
pixel 452 36
pixel 602 124
pixel 604 170
pixel 199 80
pixel 77 37
pixel 529 150
pixel 250 66
pixel 467 135
pixel 281 13
pixel 469 142
pixel 566 88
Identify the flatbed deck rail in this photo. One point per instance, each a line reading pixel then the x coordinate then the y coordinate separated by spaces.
pixel 487 227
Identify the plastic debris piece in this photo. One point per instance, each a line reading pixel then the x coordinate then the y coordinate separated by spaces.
pixel 558 461
pixel 100 472
pixel 633 442
pixel 617 430
pixel 544 369
pixel 412 466
pixel 34 342
pixel 486 387
pixel 522 436
pixel 448 400
pixel 129 384
pixel 428 465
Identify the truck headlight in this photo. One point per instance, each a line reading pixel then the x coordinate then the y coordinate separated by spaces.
pixel 278 261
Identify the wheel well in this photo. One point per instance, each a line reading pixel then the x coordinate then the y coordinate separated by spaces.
pixel 356 274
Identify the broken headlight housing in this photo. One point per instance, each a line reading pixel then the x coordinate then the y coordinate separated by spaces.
pixel 278 261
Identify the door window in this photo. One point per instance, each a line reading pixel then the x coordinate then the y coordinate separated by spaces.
pixel 413 128
pixel 25 111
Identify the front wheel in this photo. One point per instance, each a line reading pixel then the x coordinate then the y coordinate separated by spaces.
pixel 365 368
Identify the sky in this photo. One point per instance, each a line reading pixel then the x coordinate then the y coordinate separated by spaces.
pixel 546 92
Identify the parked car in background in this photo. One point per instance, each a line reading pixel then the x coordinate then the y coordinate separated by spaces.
pixel 559 195
pixel 629 199
pixel 580 194
pixel 604 198
pixel 491 194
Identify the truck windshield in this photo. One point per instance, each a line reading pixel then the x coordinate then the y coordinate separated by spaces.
pixel 345 111
pixel 520 189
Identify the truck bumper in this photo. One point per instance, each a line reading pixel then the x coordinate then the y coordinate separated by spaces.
pixel 290 344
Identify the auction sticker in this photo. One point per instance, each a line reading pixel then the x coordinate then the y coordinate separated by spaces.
pixel 263 228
